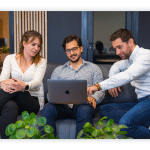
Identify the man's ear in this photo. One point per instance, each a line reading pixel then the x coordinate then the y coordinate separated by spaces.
pixel 131 42
pixel 81 49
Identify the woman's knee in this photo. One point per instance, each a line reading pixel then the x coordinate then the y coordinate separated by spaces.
pixel 11 107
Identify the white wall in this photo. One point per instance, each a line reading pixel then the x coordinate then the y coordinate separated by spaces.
pixel 106 23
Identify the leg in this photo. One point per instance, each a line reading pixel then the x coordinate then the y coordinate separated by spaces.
pixel 83 113
pixel 4 97
pixel 9 115
pixel 115 110
pixel 52 112
pixel 137 120
pixel 26 102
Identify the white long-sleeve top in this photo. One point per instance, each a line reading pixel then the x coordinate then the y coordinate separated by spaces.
pixel 136 70
pixel 33 76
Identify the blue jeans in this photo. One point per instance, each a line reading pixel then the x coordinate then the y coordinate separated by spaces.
pixel 136 116
pixel 82 113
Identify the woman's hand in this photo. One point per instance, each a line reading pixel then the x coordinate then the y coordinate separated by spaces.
pixel 18 84
pixel 7 86
pixel 91 90
pixel 12 85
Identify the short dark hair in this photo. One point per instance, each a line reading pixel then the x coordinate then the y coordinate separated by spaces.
pixel 124 34
pixel 70 38
pixel 99 46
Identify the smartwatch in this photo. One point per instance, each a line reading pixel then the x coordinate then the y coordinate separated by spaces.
pixel 26 88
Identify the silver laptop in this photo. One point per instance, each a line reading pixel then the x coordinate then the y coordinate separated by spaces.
pixel 67 91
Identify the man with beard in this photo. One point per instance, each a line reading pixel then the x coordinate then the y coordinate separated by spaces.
pixel 134 69
pixel 75 68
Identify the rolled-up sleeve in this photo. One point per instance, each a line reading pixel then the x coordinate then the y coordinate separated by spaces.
pixel 138 68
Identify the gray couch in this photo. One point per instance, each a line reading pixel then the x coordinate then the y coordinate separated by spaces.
pixel 66 128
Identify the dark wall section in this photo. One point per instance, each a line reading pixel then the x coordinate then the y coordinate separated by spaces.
pixel 61 24
pixel 11 31
pixel 144 29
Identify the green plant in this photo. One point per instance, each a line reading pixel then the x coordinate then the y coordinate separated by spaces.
pixel 106 130
pixel 27 128
pixel 5 49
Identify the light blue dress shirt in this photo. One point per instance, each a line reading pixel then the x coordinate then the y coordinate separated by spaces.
pixel 136 70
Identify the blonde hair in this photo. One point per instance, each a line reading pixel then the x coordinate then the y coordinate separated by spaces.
pixel 26 36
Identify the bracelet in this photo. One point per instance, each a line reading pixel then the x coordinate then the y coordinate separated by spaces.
pixel 98 86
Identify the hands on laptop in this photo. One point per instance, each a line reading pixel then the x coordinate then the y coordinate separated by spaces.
pixel 92 101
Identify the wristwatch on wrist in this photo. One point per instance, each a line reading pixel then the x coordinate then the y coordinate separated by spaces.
pixel 26 88
pixel 98 86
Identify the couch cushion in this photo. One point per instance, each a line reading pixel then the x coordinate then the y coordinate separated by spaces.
pixel 49 70
pixel 127 93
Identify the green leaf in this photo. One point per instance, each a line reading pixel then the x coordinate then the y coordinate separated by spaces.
pixel 80 134
pixel 27 120
pixel 37 134
pixel 19 124
pixel 48 129
pixel 31 132
pixel 33 116
pixel 109 136
pixel 32 121
pixel 122 126
pixel 12 137
pixel 100 122
pixel 108 129
pixel 27 126
pixel 21 133
pixel 10 129
pixel 41 121
pixel 87 124
pixel 116 128
pixel 103 118
pixel 95 133
pixel 25 115
pixel 121 132
pixel 50 136
pixel 110 122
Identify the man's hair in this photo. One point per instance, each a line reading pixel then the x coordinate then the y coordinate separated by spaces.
pixel 70 38
pixel 99 46
pixel 124 34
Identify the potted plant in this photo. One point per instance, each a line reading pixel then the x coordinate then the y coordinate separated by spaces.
pixel 5 49
pixel 27 128
pixel 106 130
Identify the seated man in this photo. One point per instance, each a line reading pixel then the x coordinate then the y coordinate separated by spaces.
pixel 75 68
pixel 134 69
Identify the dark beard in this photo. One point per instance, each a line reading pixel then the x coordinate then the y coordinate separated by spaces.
pixel 75 60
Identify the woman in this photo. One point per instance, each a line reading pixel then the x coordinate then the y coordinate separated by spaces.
pixel 21 80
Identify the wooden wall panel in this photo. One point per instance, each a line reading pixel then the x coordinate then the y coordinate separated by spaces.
pixel 30 20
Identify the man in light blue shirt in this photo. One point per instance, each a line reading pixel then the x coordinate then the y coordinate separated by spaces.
pixel 134 69
pixel 75 68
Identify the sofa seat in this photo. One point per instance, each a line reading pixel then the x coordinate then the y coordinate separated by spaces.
pixel 66 128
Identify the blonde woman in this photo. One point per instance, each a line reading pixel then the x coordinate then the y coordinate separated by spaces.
pixel 21 80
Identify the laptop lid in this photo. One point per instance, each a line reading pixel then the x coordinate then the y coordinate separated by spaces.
pixel 67 91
